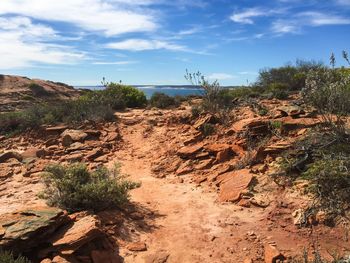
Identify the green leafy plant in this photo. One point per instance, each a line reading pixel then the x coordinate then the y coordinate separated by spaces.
pixel 8 257
pixel 74 187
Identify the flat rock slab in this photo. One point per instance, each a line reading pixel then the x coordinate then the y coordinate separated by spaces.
pixel 24 229
pixel 72 237
pixel 233 184
pixel 188 151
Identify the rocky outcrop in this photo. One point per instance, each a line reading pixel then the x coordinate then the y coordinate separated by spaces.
pixel 50 235
pixel 20 92
pixel 23 230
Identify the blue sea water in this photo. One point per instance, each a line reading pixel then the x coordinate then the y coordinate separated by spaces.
pixel 149 90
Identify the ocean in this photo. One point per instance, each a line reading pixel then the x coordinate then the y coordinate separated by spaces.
pixel 149 90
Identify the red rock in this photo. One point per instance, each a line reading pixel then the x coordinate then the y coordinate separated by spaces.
pixel 235 183
pixel 189 151
pixel 216 147
pixel 64 259
pixel 272 254
pixel 223 155
pixel 33 153
pixel 56 129
pixel 73 157
pixel 71 238
pixel 205 164
pixel 93 133
pixel 158 257
pixel 105 256
pixel 111 137
pixel 9 155
pixel 93 154
pixel 184 168
pixel 137 246
pixel 205 120
pixel 28 228
pixel 70 136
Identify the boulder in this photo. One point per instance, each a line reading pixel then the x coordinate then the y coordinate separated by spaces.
pixel 25 229
pixel 71 237
pixel 235 182
pixel 70 136
pixel 272 254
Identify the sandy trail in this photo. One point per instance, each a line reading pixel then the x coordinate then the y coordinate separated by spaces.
pixel 190 226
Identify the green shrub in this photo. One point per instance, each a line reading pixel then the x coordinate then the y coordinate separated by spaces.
pixel 73 112
pixel 162 101
pixel 117 96
pixel 196 111
pixel 207 129
pixel 38 90
pixel 74 187
pixel 293 76
pixel 330 179
pixel 328 90
pixel 131 96
pixel 278 90
pixel 7 257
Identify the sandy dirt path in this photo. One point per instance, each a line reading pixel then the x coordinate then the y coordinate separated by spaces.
pixel 190 225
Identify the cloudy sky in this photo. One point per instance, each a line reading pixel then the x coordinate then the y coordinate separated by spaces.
pixel 155 41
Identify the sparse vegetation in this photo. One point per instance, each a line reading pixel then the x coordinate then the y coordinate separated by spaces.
pixel 328 90
pixel 317 258
pixel 207 129
pixel 8 257
pixel 38 91
pixel 91 106
pixel 74 187
pixel 216 100
pixel 162 101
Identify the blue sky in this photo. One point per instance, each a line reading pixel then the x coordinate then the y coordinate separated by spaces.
pixel 155 41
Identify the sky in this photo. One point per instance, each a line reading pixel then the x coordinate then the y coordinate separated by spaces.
pixel 154 41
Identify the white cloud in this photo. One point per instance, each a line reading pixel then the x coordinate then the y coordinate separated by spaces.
pixel 142 44
pixel 304 19
pixel 112 17
pixel 220 76
pixel 246 16
pixel 321 19
pixel 285 26
pixel 24 44
pixel 126 62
